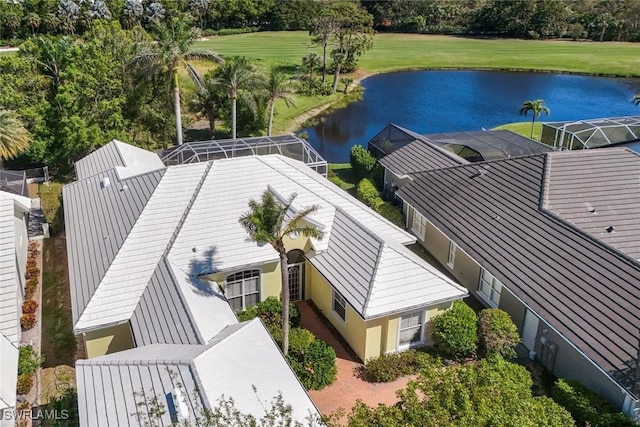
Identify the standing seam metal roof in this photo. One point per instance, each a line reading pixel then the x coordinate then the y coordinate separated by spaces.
pixel 586 290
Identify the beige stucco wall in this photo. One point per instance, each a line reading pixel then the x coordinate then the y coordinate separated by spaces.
pixel 391 179
pixel 108 340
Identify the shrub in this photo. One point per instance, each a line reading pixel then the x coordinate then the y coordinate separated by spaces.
pixel 31 263
pixel 32 272
pixel 270 311
pixel 29 306
pixel 455 331
pixel 66 400
pixel 391 213
pixel 313 361
pixel 497 334
pixel 28 360
pixel 27 321
pixel 362 161
pixel 25 383
pixel 586 406
pixel 368 194
pixel 51 202
pixel 389 367
pixel 30 287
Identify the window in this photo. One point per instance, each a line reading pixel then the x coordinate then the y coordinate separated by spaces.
pixel 410 330
pixel 339 306
pixel 243 289
pixel 489 288
pixel 419 224
pixel 452 254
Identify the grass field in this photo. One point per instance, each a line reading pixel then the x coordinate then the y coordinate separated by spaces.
pixel 523 128
pixel 415 51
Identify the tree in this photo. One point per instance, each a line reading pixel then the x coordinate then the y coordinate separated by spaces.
pixel 311 61
pixel 267 222
pixel 14 137
pixel 455 331
pixel 238 78
pixel 277 86
pixel 536 107
pixel 171 52
pixel 497 334
pixel 69 12
pixel 132 13
pixel 207 102
pixel 322 29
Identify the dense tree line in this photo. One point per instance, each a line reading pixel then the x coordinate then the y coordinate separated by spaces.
pixel 592 19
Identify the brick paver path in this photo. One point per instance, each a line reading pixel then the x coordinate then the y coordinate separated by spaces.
pixel 348 386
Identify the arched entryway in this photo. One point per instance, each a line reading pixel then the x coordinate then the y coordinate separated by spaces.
pixel 295 262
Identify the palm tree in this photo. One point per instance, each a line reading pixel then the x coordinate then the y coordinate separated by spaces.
pixel 311 61
pixel 277 86
pixel 206 102
pixel 266 222
pixel 536 107
pixel 238 78
pixel 171 52
pixel 14 137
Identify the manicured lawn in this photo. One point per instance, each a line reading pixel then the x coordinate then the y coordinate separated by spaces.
pixel 414 51
pixel 341 174
pixel 523 128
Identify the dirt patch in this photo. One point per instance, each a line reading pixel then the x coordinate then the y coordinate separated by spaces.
pixel 59 345
pixel 55 380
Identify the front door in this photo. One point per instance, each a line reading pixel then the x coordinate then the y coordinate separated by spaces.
pixel 530 330
pixel 296 280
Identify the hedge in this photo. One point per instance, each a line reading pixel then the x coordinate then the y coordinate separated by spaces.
pixel 389 367
pixel 368 194
pixel 497 334
pixel 391 213
pixel 586 406
pixel 362 161
pixel 455 331
pixel 270 311
pixel 313 360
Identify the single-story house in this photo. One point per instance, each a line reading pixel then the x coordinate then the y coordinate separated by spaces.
pixel 13 258
pixel 402 152
pixel 157 256
pixel 553 239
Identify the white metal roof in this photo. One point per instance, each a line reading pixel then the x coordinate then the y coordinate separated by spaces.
pixel 9 324
pixel 126 159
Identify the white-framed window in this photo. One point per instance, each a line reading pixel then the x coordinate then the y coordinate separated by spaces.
pixel 451 260
pixel 418 224
pixel 242 289
pixel 489 288
pixel 339 306
pixel 410 330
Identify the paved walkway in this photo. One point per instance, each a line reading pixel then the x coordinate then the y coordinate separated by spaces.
pixel 348 386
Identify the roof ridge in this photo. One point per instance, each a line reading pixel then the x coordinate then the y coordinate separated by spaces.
pixel 476 164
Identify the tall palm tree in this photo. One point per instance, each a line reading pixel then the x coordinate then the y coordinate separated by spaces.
pixel 277 85
pixel 266 222
pixel 14 137
pixel 238 78
pixel 537 107
pixel 170 53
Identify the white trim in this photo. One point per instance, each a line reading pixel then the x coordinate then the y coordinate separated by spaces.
pixel 419 229
pixel 423 322
pixel 493 285
pixel 344 304
pixel 243 294
pixel 451 260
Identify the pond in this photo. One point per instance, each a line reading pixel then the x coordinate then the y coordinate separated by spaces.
pixel 452 101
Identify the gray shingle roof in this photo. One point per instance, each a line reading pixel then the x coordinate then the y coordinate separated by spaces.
pixel 98 219
pixel 583 288
pixel 602 196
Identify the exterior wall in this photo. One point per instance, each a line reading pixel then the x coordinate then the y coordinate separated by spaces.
pixel 513 306
pixel 108 340
pixel 22 243
pixel 391 181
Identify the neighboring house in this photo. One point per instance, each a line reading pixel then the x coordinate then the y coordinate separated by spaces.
pixel 157 256
pixel 592 133
pixel 403 152
pixel 554 240
pixel 13 258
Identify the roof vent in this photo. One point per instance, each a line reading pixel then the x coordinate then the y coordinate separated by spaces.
pixel 105 182
pixel 481 171
pixel 124 187
pixel 179 398
pixel 591 209
pixel 610 229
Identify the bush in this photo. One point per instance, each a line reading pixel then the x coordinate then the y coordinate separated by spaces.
pixel 497 334
pixel 30 287
pixel 362 161
pixel 31 263
pixel 313 360
pixel 51 202
pixel 27 321
pixel 389 367
pixel 391 213
pixel 270 311
pixel 32 272
pixel 29 307
pixel 586 406
pixel 25 383
pixel 28 361
pixel 455 331
pixel 66 400
pixel 368 194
